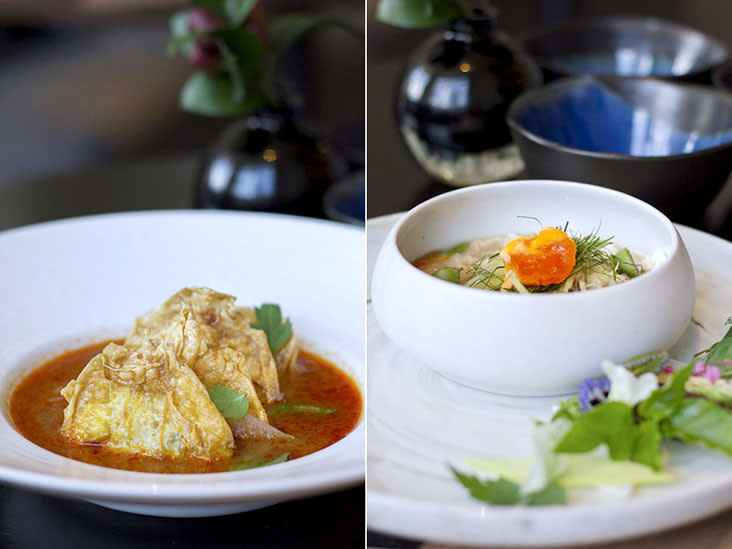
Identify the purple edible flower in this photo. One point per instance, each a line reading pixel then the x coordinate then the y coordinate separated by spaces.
pixel 593 392
pixel 708 371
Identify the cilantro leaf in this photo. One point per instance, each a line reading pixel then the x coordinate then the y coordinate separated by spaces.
pixel 702 421
pixel 232 404
pixel 611 423
pixel 498 492
pixel 647 443
pixel 551 494
pixel 663 403
pixel 301 409
pixel 269 319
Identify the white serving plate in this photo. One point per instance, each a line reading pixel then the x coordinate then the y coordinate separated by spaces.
pixel 418 422
pixel 67 283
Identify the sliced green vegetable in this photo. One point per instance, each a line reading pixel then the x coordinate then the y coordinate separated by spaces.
pixel 625 263
pixel 702 421
pixel 583 471
pixel 253 465
pixel 647 362
pixel 301 409
pixel 611 423
pixel 231 403
pixel 719 392
pixel 269 319
pixel 449 274
pixel 460 248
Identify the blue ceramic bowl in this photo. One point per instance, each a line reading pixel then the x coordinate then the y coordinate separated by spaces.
pixel 667 143
pixel 625 46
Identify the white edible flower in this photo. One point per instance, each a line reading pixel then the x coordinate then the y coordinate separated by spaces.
pixel 625 387
pixel 547 465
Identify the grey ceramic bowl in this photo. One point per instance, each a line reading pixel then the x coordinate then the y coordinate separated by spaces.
pixel 624 46
pixel 667 143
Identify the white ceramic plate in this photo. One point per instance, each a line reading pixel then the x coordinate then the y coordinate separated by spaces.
pixel 418 422
pixel 67 283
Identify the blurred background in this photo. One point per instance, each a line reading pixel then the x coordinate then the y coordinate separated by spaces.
pixel 396 181
pixel 89 102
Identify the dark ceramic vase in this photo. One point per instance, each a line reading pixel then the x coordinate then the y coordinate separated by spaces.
pixel 267 162
pixel 453 98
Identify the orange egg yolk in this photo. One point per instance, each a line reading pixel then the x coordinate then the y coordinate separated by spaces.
pixel 547 258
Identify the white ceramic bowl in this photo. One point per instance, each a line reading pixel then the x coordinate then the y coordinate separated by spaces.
pixel 71 282
pixel 538 344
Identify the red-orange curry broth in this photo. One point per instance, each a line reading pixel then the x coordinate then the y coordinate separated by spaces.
pixel 36 407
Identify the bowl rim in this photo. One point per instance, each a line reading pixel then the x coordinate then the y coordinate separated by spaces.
pixel 564 84
pixel 640 21
pixel 459 289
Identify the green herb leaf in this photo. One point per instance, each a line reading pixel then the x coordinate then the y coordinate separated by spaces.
pixel 611 423
pixel 269 319
pixel 412 14
pixel 498 492
pixel 720 354
pixel 663 403
pixel 231 403
pixel 647 444
pixel 551 494
pixel 702 421
pixel 253 465
pixel 569 408
pixel 448 274
pixel 301 409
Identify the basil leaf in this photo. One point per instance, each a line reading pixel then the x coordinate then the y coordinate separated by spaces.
pixel 413 14
pixel 232 404
pixel 611 423
pixel 720 354
pixel 498 492
pixel 663 403
pixel 702 421
pixel 551 494
pixel 301 409
pixel 647 444
pixel 269 319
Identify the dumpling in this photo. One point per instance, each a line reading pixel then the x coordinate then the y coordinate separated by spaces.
pixel 217 324
pixel 143 399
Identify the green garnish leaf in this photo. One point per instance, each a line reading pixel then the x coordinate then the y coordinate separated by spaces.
pixel 231 403
pixel 460 248
pixel 269 319
pixel 301 409
pixel 720 354
pixel 497 492
pixel 647 362
pixel 448 274
pixel 611 423
pixel 551 494
pixel 702 421
pixel 569 408
pixel 663 403
pixel 647 443
pixel 253 465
